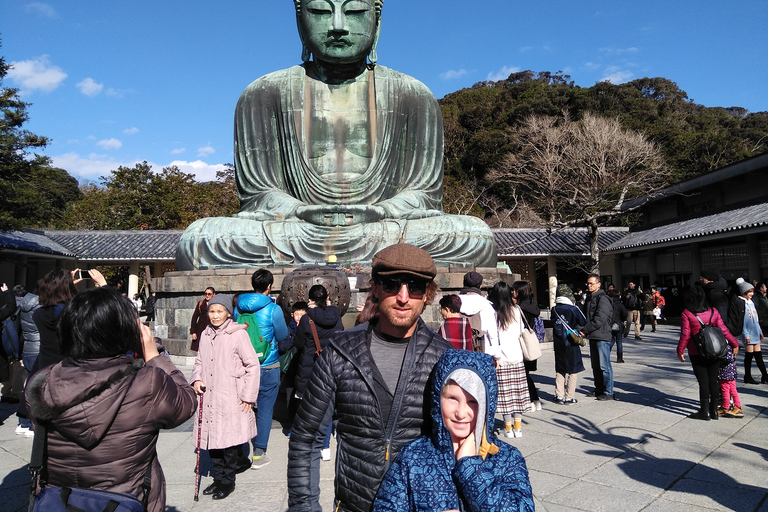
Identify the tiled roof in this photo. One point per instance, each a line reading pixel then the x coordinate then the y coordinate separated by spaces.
pixel 119 245
pixel 741 218
pixel 32 241
pixel 559 242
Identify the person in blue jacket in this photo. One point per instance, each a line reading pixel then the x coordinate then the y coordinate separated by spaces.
pixel 462 465
pixel 273 329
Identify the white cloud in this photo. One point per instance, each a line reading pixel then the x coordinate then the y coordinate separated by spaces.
pixel 525 49
pixel 453 74
pixel 117 93
pixel 93 166
pixel 502 74
pixel 201 170
pixel 178 151
pixel 90 87
pixel 131 131
pixel 616 76
pixel 42 9
pixel 110 144
pixel 619 51
pixel 205 151
pixel 36 74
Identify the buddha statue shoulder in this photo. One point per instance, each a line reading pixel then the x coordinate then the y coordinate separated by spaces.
pixel 337 156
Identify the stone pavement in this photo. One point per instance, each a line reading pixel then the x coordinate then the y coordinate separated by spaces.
pixel 638 453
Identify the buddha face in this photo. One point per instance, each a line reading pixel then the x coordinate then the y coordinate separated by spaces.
pixel 338 31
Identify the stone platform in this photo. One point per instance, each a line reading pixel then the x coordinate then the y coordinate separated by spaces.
pixel 179 292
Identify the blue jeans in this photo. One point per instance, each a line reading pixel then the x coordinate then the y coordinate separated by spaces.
pixel 617 339
pixel 600 354
pixel 269 385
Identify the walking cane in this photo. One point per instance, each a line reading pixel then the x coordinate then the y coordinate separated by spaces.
pixel 199 431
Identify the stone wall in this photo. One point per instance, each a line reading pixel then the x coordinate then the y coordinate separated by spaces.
pixel 179 292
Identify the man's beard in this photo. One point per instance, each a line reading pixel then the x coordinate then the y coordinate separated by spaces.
pixel 398 320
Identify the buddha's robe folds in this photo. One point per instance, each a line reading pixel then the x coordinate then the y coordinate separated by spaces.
pixel 276 178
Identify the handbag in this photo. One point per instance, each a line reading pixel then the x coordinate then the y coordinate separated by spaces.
pixel 574 336
pixel 529 342
pixel 75 499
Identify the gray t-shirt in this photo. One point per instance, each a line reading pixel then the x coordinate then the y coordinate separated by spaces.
pixel 388 354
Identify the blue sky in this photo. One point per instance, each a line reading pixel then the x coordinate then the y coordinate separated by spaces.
pixel 114 83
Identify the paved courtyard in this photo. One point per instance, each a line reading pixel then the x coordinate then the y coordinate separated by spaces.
pixel 638 453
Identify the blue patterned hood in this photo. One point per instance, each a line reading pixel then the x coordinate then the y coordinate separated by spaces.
pixel 476 374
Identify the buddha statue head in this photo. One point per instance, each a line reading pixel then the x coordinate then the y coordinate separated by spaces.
pixel 339 31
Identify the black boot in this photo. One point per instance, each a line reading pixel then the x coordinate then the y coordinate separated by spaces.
pixel 619 357
pixel 748 368
pixel 713 410
pixel 761 366
pixel 703 412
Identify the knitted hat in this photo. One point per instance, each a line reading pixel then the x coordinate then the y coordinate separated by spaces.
pixel 744 286
pixel 710 274
pixel 224 300
pixel 472 282
pixel 564 290
pixel 403 259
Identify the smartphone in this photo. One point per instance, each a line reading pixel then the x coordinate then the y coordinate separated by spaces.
pixel 78 275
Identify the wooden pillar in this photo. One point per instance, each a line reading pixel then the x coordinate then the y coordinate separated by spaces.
pixel 552 279
pixel 695 262
pixel 133 279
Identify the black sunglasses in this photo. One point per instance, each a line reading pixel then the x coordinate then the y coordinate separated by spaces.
pixel 416 287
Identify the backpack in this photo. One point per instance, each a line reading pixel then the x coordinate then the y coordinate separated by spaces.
pixel 478 335
pixel 11 336
pixel 710 340
pixel 631 300
pixel 260 345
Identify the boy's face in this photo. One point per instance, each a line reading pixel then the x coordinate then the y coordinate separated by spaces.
pixel 459 411
pixel 217 314
pixel 298 314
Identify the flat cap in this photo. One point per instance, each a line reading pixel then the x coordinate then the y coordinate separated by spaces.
pixel 403 259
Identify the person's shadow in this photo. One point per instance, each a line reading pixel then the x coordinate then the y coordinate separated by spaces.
pixel 14 490
pixel 665 472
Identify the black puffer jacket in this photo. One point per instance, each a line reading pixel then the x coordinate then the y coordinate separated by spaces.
pixel 327 322
pixel 599 313
pixel 366 446
pixel 717 296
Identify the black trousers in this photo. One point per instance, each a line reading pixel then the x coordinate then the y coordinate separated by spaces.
pixel 226 462
pixel 706 371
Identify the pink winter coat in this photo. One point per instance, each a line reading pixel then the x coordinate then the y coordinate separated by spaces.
pixel 690 326
pixel 228 367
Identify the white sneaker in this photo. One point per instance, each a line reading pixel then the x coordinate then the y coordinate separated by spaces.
pixel 537 403
pixel 518 432
pixel 531 407
pixel 508 434
pixel 22 431
pixel 325 454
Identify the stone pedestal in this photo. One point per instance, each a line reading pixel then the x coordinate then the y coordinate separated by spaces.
pixel 179 292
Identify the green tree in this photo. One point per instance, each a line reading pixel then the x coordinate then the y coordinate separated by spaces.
pixel 138 198
pixel 32 194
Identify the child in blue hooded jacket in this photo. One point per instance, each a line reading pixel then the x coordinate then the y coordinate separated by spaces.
pixel 462 465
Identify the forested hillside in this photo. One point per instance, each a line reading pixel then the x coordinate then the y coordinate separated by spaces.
pixel 482 123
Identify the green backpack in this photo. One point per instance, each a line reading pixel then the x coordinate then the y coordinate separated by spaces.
pixel 260 345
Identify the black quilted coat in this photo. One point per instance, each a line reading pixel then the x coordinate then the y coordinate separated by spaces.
pixel 366 445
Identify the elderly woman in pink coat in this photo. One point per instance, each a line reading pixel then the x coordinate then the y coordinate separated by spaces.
pixel 227 373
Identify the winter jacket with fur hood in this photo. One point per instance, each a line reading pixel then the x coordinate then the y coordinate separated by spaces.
pixel 228 366
pixel 426 476
pixel 344 376
pixel 104 417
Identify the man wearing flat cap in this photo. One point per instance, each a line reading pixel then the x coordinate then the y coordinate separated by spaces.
pixel 374 377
